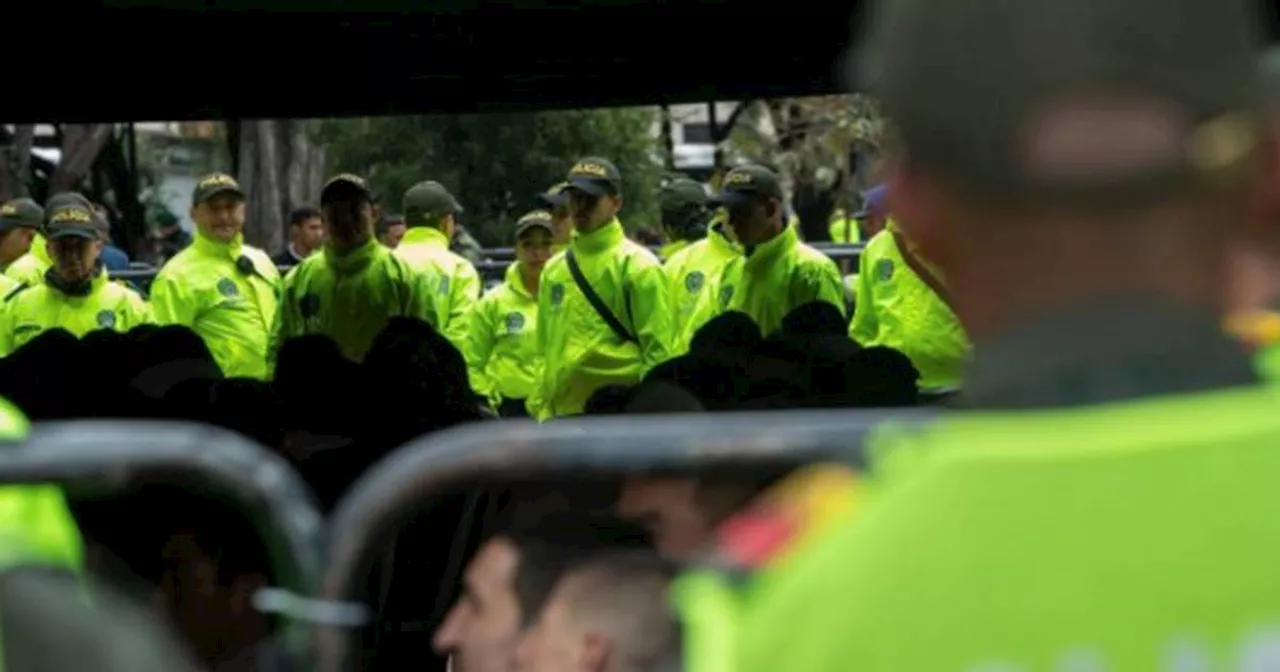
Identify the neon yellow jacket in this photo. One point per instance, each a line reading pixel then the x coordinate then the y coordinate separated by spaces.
pixel 502 341
pixel 233 311
pixel 350 297
pixel 896 309
pixel 453 279
pixel 36 525
pixel 582 353
pixel 844 229
pixel 775 278
pixel 1058 539
pixel 30 268
pixel 672 248
pixel 690 274
pixel 36 309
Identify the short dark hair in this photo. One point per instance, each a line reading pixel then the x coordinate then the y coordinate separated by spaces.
pixel 303 214
pixel 551 545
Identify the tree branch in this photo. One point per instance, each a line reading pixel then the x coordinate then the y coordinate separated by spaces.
pixel 721 131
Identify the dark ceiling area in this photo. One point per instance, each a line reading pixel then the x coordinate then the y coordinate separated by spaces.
pixel 133 60
pixel 200 59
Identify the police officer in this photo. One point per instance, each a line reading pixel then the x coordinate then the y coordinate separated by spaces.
pixel 690 271
pixel 776 272
pixel 224 290
pixel 602 305
pixel 1105 507
pixel 76 294
pixel 902 303
pixel 20 223
pixel 685 215
pixel 29 266
pixel 502 333
pixel 430 213
pixel 556 201
pixel 355 285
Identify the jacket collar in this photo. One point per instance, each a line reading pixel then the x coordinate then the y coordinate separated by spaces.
pixel 603 238
pixel 354 260
pixel 766 253
pixel 216 248
pixel 425 235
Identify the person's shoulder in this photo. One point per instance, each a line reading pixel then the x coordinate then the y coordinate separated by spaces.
pixel 21 289
pixel 120 292
pixel 462 265
pixel 315 264
pixel 810 257
pixel 640 256
pixel 258 255
pixel 683 257
pixel 180 264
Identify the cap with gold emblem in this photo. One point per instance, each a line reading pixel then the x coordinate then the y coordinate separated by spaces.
pixel 21 213
pixel 595 176
pixel 216 184
pixel 345 186
pixel 72 216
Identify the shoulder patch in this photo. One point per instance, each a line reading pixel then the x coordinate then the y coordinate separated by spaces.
pixel 799 508
pixel 106 319
pixel 693 281
pixel 884 270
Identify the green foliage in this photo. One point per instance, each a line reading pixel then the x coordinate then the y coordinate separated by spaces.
pixel 495 164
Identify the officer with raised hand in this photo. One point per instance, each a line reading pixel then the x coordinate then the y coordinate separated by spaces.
pixel 430 214
pixel 224 290
pixel 502 331
pixel 603 315
pixel 76 294
pixel 355 285
pixel 1102 502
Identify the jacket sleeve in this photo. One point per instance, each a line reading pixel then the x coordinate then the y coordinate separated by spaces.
pixel 536 402
pixel 650 312
pixel 6 329
pixel 287 322
pixel 171 302
pixel 821 282
pixel 466 294
pixel 864 326
pixel 137 309
pixel 477 346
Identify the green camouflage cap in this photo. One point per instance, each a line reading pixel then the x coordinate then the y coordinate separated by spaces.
pixel 215 184
pixel 595 176
pixel 425 201
pixel 748 182
pixel 21 213
pixel 681 194
pixel 1063 101
pixel 70 215
pixel 533 219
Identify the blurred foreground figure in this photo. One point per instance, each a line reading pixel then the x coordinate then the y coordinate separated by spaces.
pixel 1103 504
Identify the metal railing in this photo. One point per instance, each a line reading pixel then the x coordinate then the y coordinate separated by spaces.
pixel 112 456
pixel 387 495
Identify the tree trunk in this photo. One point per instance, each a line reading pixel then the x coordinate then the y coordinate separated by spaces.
pixel 15 163
pixel 280 169
pixel 81 144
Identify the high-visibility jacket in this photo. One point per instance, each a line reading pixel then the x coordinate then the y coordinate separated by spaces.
pixel 350 297
pixel 502 341
pixel 690 275
pixel 896 309
pixel 29 269
pixel 581 352
pixel 452 278
pixel 229 294
pixel 36 309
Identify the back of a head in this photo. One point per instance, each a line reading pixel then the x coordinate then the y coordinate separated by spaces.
pixel 730 330
pixel 623 595
pixel 550 545
pixel 1156 114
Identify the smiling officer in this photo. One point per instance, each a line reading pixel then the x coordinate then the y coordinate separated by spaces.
pixel 75 294
pixel 224 290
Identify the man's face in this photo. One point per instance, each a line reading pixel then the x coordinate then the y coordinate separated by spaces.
pixel 668 508
pixel 14 243
pixel 347 217
pixel 533 248
pixel 558 642
pixel 481 630
pixel 752 221
pixel 592 212
pixel 220 218
pixel 561 225
pixel 75 258
pixel 308 235
pixel 393 235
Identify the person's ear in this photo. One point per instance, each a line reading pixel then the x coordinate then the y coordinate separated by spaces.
pixel 617 203
pixel 594 656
